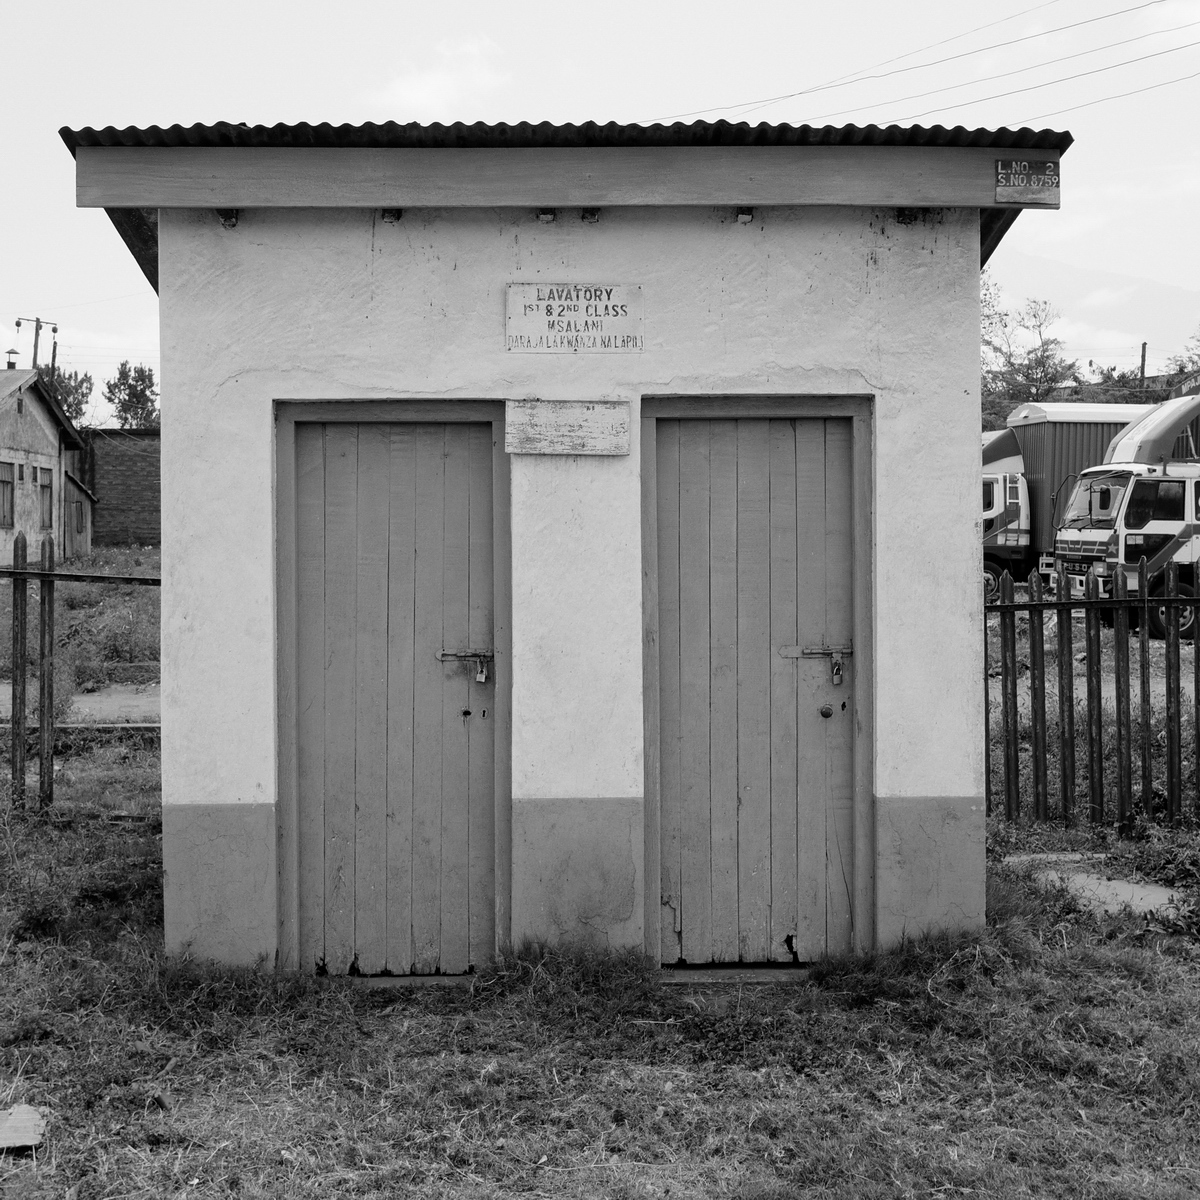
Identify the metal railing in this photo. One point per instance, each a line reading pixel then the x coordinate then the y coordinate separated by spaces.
pixel 1113 738
pixel 47 575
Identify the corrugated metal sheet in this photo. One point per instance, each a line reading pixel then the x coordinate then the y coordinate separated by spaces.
pixel 479 135
pixel 1053 451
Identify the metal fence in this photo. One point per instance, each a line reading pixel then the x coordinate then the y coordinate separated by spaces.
pixel 46 575
pixel 1133 757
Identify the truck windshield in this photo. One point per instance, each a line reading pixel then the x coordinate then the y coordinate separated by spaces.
pixel 1095 501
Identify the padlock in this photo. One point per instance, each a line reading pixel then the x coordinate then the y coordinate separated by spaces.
pixel 836 667
pixel 481 674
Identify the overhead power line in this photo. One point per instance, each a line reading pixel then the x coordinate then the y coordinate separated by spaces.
pixel 751 105
pixel 1049 83
pixel 887 62
pixel 1017 71
pixel 1105 99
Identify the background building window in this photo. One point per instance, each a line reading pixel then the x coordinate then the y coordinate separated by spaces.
pixel 6 495
pixel 47 485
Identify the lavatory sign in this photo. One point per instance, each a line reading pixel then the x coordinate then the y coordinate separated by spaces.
pixel 574 318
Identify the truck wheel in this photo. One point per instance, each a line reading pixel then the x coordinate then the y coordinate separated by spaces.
pixel 991 581
pixel 1187 618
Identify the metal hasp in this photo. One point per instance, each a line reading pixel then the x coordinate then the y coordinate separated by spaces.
pixel 836 655
pixel 481 657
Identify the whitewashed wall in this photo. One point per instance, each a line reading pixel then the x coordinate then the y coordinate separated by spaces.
pixel 332 304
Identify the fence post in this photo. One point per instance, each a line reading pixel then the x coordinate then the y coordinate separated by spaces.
pixel 1066 700
pixel 1173 764
pixel 1144 667
pixel 1124 724
pixel 1037 696
pixel 987 725
pixel 46 679
pixel 1008 693
pixel 1196 699
pixel 1095 721
pixel 20 596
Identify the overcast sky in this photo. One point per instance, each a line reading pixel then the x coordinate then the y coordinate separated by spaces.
pixel 1121 260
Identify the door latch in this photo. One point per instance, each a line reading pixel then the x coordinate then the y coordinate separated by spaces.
pixel 837 656
pixel 480 658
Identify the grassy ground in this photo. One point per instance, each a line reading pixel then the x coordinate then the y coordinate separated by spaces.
pixel 1054 1054
pixel 96 624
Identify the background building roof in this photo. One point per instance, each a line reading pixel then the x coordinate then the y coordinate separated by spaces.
pixel 28 380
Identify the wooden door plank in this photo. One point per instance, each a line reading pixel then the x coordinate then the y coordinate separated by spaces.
pixel 427 721
pixel 341 622
pixel 456 703
pixel 502 694
pixel 405 442
pixel 754 688
pixel 811 688
pixel 784 632
pixel 671 907
pixel 696 850
pixel 310 690
pixel 287 804
pixel 371 756
pixel 481 726
pixel 840 738
pixel 724 553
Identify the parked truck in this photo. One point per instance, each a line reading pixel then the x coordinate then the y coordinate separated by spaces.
pixel 1025 468
pixel 1142 501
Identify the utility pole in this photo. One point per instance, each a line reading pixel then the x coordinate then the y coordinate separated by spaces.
pixel 37 333
pixel 1143 377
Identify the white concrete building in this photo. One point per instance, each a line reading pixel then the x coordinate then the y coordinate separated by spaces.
pixel 568 531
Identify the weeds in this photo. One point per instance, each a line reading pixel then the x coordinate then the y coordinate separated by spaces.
pixel 1052 1053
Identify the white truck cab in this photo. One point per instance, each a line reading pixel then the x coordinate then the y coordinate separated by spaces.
pixel 1143 501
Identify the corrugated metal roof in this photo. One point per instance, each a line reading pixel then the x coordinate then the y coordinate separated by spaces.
pixel 392 135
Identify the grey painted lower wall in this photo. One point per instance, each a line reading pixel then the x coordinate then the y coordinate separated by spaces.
pixel 578 871
pixel 220 893
pixel 929 865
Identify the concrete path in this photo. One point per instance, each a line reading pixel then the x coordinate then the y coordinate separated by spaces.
pixel 119 703
pixel 1085 875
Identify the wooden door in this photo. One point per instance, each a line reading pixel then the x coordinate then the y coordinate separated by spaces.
pixel 755 584
pixel 394 735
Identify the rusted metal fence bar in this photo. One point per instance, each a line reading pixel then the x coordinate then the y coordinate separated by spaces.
pixel 1144 679
pixel 46 678
pixel 1037 697
pixel 1066 704
pixel 20 600
pixel 1095 705
pixel 1169 611
pixel 1008 693
pixel 1124 722
pixel 1196 702
pixel 1172 706
pixel 48 577
pixel 987 722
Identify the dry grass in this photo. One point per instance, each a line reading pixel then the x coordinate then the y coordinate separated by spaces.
pixel 1053 1054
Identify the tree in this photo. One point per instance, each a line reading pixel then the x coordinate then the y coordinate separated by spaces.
pixel 1022 363
pixel 1188 362
pixel 133 396
pixel 71 390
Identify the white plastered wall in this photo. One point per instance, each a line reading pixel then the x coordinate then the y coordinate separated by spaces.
pixel 332 304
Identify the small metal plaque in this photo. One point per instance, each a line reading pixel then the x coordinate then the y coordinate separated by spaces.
pixel 574 318
pixel 1027 181
pixel 567 427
